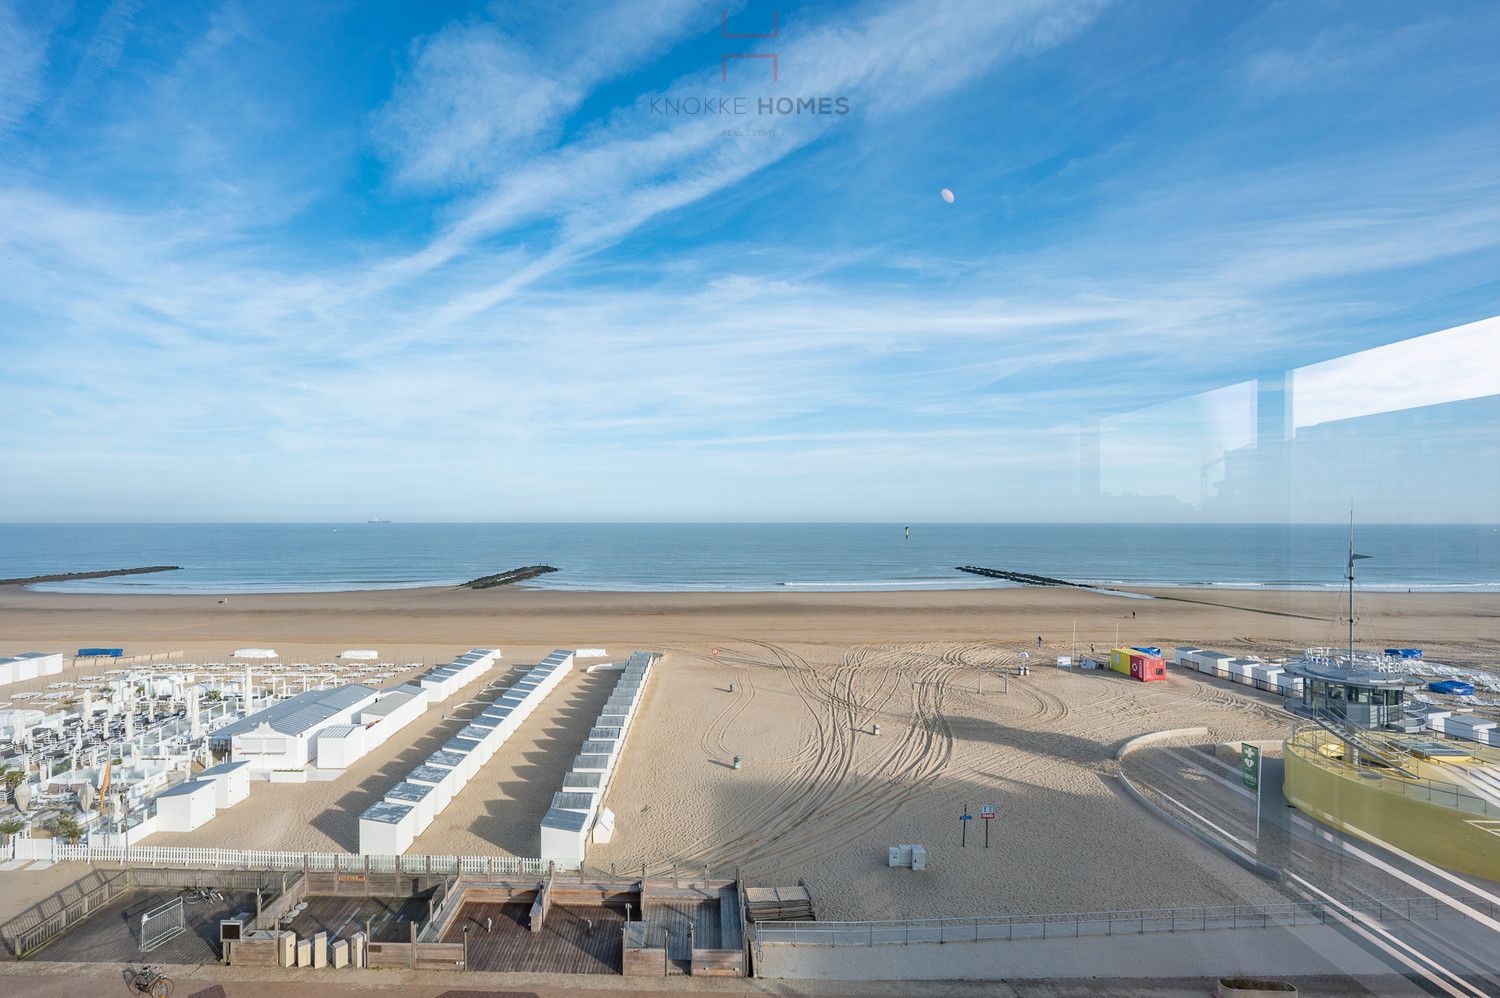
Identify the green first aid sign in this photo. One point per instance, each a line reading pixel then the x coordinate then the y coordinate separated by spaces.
pixel 1250 765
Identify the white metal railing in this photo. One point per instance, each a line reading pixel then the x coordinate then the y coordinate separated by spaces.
pixel 1095 923
pixel 317 862
pixel 1307 745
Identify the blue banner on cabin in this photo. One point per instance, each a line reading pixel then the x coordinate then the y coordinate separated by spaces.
pixel 1146 650
pixel 100 652
pixel 1452 687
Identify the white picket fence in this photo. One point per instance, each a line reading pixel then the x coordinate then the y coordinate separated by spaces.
pixel 58 851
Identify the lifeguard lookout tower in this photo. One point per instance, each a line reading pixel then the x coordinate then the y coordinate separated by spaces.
pixel 1363 771
pixel 1349 692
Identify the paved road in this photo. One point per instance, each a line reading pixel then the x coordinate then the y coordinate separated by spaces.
pixel 1457 954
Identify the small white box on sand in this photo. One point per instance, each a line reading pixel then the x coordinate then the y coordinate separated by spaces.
pixel 604 827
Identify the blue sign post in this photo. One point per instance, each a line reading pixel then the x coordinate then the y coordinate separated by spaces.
pixel 965 818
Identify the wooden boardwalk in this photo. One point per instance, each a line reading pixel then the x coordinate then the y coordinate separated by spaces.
pixel 390 918
pixel 112 934
pixel 677 916
pixel 731 936
pixel 577 939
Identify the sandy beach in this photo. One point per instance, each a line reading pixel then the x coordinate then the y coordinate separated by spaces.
pixel 1463 628
pixel 820 797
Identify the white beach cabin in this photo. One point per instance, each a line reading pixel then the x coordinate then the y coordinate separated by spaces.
pixel 231 782
pixel 339 746
pixel 386 829
pixel 186 806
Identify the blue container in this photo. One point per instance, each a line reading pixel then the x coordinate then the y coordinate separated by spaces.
pixel 1452 687
pixel 1144 650
pixel 100 652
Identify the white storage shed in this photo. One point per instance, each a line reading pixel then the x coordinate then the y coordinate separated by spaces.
pixel 1468 726
pixel 186 806
pixel 231 781
pixel 340 746
pixel 395 709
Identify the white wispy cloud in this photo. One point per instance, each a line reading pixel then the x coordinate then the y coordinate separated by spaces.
pixel 22 63
pixel 100 55
pixel 519 342
pixel 476 101
pixel 885 57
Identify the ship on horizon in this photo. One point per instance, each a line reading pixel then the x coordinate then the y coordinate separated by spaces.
pixel 376 519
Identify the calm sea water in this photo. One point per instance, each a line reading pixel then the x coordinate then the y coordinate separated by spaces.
pixel 812 557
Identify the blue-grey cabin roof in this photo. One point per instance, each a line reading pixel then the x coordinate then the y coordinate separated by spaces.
pixel 385 812
pixel 301 713
pixel 407 791
pixel 568 821
pixel 188 789
pixel 224 768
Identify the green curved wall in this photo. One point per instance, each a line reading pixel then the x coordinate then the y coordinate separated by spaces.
pixel 1336 795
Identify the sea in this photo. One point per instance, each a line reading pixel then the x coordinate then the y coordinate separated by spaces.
pixel 773 557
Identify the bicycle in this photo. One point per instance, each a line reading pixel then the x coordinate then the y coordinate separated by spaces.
pixel 147 980
pixel 198 895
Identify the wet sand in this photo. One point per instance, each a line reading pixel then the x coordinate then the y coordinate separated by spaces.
pixel 1457 627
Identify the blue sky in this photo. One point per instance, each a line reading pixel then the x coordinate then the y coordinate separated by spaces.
pixel 464 262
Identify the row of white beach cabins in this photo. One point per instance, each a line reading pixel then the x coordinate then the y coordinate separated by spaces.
pixel 30 665
pixel 1248 670
pixel 389 826
pixel 316 734
pixel 578 815
pixel 1273 678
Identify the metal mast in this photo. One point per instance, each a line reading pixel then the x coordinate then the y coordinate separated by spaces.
pixel 1349 574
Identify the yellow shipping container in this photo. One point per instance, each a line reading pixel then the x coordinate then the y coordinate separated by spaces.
pixel 1119 660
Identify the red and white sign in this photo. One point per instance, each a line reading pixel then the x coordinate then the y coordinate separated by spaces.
pixel 987 811
pixel 715 653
